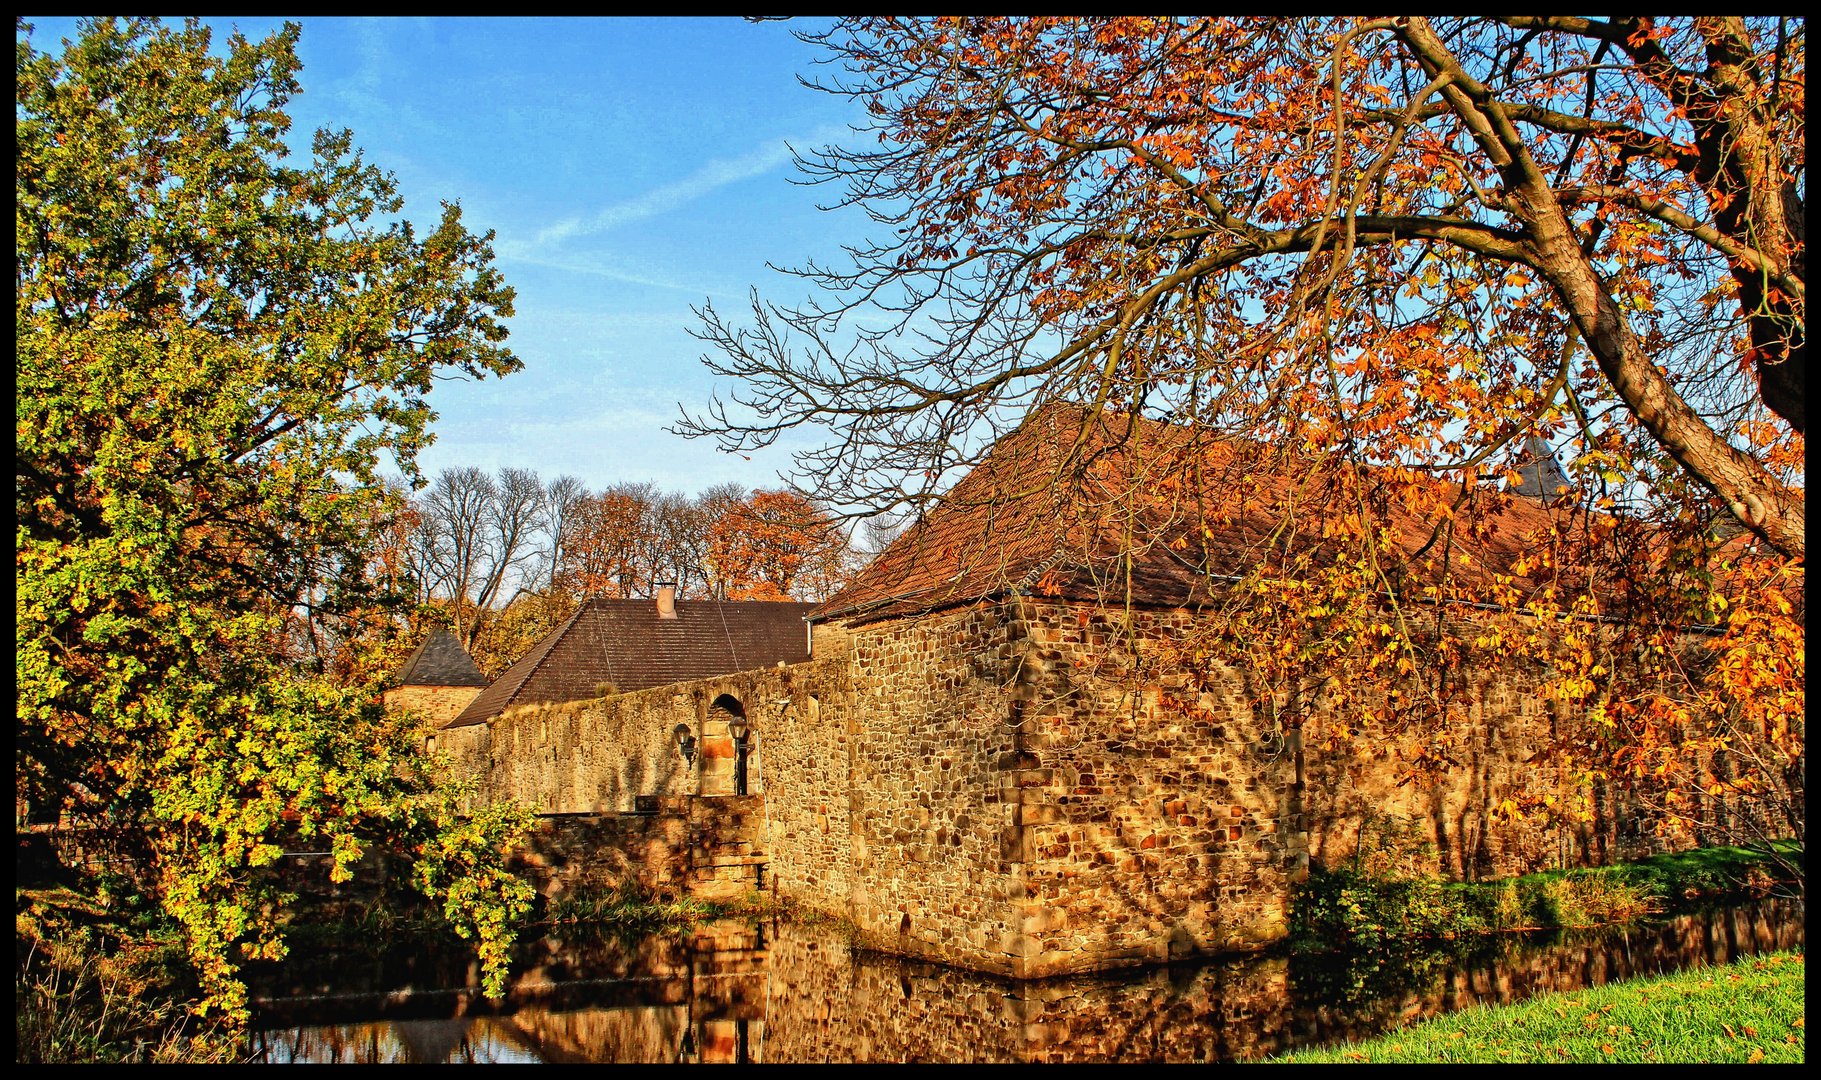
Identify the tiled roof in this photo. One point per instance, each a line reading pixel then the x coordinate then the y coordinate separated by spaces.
pixel 439 661
pixel 1008 526
pixel 623 644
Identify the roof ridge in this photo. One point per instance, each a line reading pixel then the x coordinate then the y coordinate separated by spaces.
pixel 1006 522
pixel 634 650
pixel 509 693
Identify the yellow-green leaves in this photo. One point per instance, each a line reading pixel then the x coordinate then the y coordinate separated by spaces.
pixel 218 349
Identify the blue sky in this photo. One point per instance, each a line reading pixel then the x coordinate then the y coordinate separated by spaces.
pixel 631 168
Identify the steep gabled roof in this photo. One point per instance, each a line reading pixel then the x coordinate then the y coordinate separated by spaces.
pixel 624 645
pixel 439 661
pixel 1177 507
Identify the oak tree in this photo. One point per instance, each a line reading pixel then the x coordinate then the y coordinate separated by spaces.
pixel 219 346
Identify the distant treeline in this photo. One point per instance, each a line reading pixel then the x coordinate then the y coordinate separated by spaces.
pixel 504 557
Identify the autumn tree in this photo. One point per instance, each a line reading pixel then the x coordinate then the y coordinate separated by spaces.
pixel 611 546
pixel 218 347
pixel 512 631
pixel 504 560
pixel 683 525
pixel 776 545
pixel 556 511
pixel 1390 257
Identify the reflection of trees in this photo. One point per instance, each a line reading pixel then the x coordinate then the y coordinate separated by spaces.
pixel 645 1035
pixel 461 1039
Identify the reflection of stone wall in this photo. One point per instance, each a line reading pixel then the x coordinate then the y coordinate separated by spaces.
pixel 795 992
pixel 827 1003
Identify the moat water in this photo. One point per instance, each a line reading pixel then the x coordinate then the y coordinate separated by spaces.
pixel 781 992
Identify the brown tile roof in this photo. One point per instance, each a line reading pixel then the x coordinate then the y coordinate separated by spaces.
pixel 1127 500
pixel 625 645
pixel 439 661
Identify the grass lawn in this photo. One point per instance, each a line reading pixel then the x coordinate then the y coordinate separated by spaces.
pixel 1748 1012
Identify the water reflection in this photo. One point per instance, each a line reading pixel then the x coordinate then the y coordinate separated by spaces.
pixel 738 993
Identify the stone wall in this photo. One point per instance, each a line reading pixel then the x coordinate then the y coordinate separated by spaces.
pixel 1149 827
pixel 935 870
pixel 804 764
pixel 436 704
pixel 1362 806
pixel 688 846
pixel 593 756
pixel 602 756
pixel 1018 788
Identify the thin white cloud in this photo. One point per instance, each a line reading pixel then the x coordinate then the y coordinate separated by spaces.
pixel 508 252
pixel 709 178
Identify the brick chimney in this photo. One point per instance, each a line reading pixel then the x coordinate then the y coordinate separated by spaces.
pixel 667 600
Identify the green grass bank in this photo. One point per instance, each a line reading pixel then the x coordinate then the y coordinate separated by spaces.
pixel 1747 1012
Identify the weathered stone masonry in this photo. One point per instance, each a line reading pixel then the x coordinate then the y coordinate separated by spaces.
pixel 967 787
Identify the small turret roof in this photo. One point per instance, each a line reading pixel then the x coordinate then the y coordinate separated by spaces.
pixel 439 661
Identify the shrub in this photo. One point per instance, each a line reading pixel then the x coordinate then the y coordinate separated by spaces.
pixel 82 994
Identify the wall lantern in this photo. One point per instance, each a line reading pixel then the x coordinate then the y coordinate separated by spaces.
pixel 685 743
pixel 739 729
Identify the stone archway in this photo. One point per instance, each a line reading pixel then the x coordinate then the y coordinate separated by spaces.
pixel 728 740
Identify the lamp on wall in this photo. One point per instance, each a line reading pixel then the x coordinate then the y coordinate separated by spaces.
pixel 739 729
pixel 685 743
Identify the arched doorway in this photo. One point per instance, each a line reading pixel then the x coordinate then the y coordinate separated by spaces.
pixel 729 715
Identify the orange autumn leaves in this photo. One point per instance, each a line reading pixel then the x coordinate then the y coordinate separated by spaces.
pixel 776 545
pixel 766 545
pixel 1409 250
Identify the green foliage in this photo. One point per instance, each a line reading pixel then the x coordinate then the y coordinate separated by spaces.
pixel 1373 910
pixel 1722 871
pixel 1351 910
pixel 1348 909
pixel 1750 1011
pixel 217 351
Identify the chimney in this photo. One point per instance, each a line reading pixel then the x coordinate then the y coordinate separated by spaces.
pixel 667 600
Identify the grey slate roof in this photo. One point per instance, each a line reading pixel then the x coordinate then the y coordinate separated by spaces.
pixel 439 661
pixel 1541 475
pixel 623 644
